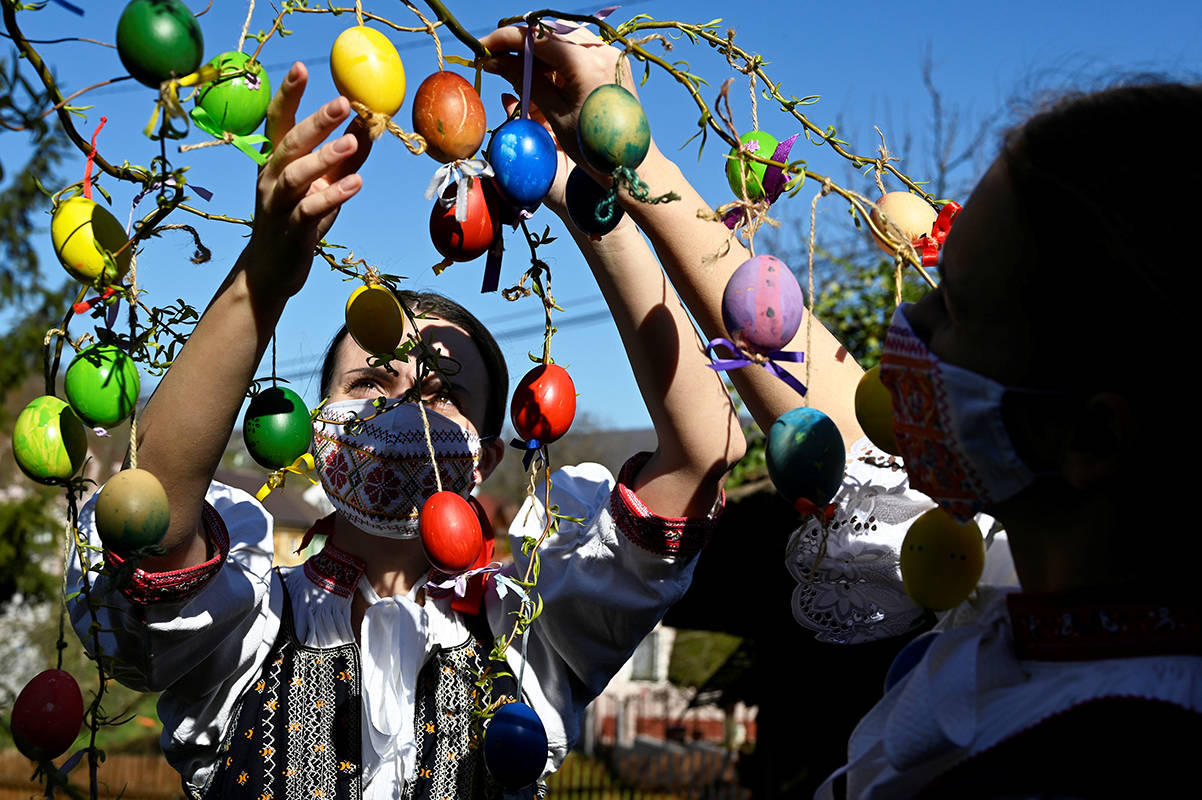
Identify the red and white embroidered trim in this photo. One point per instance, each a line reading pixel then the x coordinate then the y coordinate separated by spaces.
pixel 175 586
pixel 664 536
pixel 335 571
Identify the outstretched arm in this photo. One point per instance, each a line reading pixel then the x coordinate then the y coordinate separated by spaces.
pixel 300 190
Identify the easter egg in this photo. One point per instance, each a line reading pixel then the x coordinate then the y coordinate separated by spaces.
pixel 132 511
pixel 47 715
pixel 276 428
pixel 49 441
pixel 374 319
pixel 367 69
pixel 158 40
pixel 102 385
pixel 582 196
pixel 82 231
pixel 471 238
pixel 544 404
pixel 612 130
pixel 450 532
pixel 448 113
pixel 805 456
pixel 912 215
pixel 237 101
pixel 515 746
pixel 874 411
pixel 749 175
pixel 941 560
pixel 762 304
pixel 522 155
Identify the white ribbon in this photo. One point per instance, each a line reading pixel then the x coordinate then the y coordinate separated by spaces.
pixel 394 637
pixel 460 172
pixel 459 582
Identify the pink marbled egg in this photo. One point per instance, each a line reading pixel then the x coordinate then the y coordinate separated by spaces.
pixel 762 305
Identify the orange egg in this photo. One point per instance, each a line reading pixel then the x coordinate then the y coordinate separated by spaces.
pixel 908 213
pixel 447 111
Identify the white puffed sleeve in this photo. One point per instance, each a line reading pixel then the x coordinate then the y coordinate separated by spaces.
pixel 605 581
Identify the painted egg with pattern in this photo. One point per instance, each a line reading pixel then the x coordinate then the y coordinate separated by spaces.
pixel 49 441
pixel 941 560
pixel 276 429
pixel 742 174
pixel 515 746
pixel 47 715
pixel 89 241
pixel 874 411
pixel 583 195
pixel 762 305
pixel 102 385
pixel 912 215
pixel 612 130
pixel 132 511
pixel 805 456
pixel 523 156
pixel 447 112
pixel 471 238
pixel 450 532
pixel 374 319
pixel 544 404
pixel 158 40
pixel 237 101
pixel 367 69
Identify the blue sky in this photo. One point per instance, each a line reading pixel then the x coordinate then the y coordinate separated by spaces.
pixel 864 60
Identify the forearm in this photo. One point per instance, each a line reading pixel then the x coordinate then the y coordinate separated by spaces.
pixel 699 256
pixel 699 437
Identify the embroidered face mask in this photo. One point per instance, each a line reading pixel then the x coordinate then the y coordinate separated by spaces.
pixel 949 427
pixel 378 472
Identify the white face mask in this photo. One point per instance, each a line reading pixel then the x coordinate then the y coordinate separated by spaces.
pixel 949 426
pixel 378 472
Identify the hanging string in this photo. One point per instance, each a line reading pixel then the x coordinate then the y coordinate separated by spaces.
pixel 527 67
pixel 755 111
pixel 899 263
pixel 273 375
pixel 133 304
pixel 359 12
pixel 429 441
pixel 826 188
pixel 250 12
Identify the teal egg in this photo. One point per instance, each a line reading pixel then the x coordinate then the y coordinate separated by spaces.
pixel 741 173
pixel 237 101
pixel 102 385
pixel 805 456
pixel 276 429
pixel 613 130
pixel 49 441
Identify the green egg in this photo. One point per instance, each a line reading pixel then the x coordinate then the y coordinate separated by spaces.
pixel 102 385
pixel 158 40
pixel 132 511
pixel 613 130
pixel 49 441
pixel 276 429
pixel 237 102
pixel 741 173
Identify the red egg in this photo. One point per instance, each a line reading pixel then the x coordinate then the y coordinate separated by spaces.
pixel 544 404
pixel 450 531
pixel 464 241
pixel 47 715
pixel 447 111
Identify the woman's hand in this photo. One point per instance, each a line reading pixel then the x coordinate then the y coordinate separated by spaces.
pixel 301 187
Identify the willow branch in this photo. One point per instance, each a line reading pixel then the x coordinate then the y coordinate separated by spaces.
pixel 459 32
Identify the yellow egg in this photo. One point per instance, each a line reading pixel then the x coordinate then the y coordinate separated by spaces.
pixel 81 231
pixel 874 411
pixel 941 560
pixel 368 70
pixel 912 215
pixel 374 319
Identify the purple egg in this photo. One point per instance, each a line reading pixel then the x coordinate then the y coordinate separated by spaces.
pixel 762 305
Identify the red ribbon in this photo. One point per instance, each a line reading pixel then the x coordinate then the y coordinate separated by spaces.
pixel 87 172
pixel 929 245
pixel 84 306
pixel 807 507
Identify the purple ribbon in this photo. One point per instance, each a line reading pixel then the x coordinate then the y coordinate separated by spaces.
pixel 555 26
pixel 492 265
pixel 531 446
pixel 774 181
pixel 72 8
pixel 769 362
pixel 204 193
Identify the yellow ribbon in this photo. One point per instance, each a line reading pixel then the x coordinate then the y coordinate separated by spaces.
pixel 303 466
pixel 169 101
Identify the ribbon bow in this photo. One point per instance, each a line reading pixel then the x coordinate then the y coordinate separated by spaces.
pixel 532 447
pixel 460 172
pixel 928 245
pixel 303 466
pixel 774 181
pixel 248 143
pixel 169 104
pixel 767 361
pixel 807 507
pixel 458 584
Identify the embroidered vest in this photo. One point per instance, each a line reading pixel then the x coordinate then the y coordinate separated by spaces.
pixel 296 730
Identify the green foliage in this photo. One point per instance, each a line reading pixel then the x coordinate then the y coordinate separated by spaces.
pixel 697 655
pixel 27 538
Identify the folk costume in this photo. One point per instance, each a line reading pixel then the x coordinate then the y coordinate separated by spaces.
pixel 267 694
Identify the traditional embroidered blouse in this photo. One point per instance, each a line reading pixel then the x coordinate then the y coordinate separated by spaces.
pixel 202 634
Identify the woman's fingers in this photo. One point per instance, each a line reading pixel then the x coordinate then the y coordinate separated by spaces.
pixel 281 111
pixel 300 174
pixel 309 133
pixel 319 204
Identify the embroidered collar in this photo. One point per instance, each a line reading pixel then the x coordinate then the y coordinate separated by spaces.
pixel 1081 627
pixel 335 570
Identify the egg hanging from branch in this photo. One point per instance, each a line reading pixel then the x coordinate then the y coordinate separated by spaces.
pixel 374 319
pixel 805 456
pixel 746 176
pixel 102 385
pixel 941 560
pixel 874 411
pixel 158 40
pixel 612 130
pixel 277 429
pixel 89 241
pixel 523 156
pixel 471 238
pixel 367 70
pixel 762 304
pixel 132 511
pixel 450 532
pixel 583 196
pixel 544 404
pixel 910 216
pixel 49 441
pixel 47 715
pixel 237 101
pixel 515 746
pixel 448 113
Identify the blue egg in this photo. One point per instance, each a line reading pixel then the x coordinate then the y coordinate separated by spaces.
pixel 522 154
pixel 805 456
pixel 515 746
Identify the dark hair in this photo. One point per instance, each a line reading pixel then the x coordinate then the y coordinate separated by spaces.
pixel 446 309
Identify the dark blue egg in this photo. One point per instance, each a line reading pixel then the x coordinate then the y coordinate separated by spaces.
pixel 805 456
pixel 582 196
pixel 515 746
pixel 522 154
